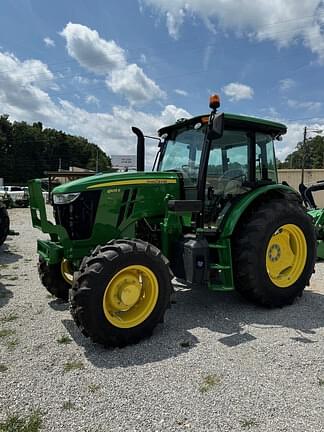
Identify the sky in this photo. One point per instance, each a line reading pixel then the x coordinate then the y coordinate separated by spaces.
pixel 96 68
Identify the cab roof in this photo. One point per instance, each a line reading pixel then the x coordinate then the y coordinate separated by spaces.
pixel 232 121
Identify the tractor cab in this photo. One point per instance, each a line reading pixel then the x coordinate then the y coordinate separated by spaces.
pixel 218 169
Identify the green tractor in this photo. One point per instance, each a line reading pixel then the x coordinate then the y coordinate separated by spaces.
pixel 211 213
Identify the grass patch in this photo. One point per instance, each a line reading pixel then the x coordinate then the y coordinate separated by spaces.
pixel 93 388
pixel 68 405
pixel 16 423
pixel 4 265
pixel 64 339
pixel 50 296
pixel 12 344
pixel 9 318
pixel 73 365
pixel 3 368
pixel 248 423
pixel 321 382
pixel 208 383
pixel 6 332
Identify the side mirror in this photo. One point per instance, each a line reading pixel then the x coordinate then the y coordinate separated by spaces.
pixel 216 126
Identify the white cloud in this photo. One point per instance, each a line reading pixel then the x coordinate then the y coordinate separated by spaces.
pixel 107 58
pixel 308 105
pixel 81 80
pixel 207 55
pixel 271 113
pixel 287 84
pixel 237 91
pixel 112 131
pixel 281 22
pixel 49 42
pixel 22 90
pixel 143 58
pixel 91 99
pixel 132 83
pixel 27 72
pixel 24 100
pixel 91 51
pixel 181 92
pixel 175 21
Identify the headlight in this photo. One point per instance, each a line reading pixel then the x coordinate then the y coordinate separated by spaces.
pixel 66 198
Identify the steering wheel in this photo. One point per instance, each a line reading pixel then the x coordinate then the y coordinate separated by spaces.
pixel 190 170
pixel 232 174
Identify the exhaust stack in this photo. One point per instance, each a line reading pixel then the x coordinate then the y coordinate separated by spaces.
pixel 140 149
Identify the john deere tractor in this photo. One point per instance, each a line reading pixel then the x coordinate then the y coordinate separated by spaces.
pixel 211 213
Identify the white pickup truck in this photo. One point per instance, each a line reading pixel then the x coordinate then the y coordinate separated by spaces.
pixel 18 195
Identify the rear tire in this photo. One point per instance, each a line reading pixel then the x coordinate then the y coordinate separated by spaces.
pixel 274 253
pixel 121 292
pixel 52 279
pixel 4 224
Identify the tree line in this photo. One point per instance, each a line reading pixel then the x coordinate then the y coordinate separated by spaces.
pixel 27 151
pixel 312 153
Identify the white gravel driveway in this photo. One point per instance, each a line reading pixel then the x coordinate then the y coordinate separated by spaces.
pixel 216 364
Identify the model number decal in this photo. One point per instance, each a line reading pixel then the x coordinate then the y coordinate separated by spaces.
pixel 133 182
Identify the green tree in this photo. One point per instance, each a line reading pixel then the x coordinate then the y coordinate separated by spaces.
pixel 312 153
pixel 26 151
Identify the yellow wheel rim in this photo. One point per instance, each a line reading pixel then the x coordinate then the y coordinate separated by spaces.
pixel 130 296
pixel 286 255
pixel 66 271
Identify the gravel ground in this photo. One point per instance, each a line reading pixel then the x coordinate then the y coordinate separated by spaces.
pixel 216 364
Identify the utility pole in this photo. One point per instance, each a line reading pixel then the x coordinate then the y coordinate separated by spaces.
pixel 304 154
pixel 305 148
pixel 60 164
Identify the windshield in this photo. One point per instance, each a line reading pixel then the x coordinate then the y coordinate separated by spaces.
pixel 182 153
pixel 228 169
pixel 228 155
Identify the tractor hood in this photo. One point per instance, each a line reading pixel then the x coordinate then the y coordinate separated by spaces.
pixel 116 180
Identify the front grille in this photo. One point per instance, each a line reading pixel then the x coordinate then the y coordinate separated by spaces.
pixel 78 217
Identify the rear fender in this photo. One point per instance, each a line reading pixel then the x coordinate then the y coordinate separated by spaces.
pixel 228 221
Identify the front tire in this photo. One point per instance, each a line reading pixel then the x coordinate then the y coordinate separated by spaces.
pixel 274 253
pixel 53 280
pixel 121 292
pixel 4 224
